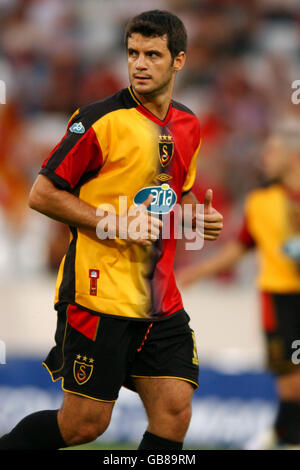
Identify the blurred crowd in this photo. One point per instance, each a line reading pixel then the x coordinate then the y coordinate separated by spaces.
pixel 58 55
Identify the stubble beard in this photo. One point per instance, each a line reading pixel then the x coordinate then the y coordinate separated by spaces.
pixel 159 89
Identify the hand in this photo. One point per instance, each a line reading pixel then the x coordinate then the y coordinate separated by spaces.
pixel 211 222
pixel 139 226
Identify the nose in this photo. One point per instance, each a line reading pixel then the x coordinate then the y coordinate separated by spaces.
pixel 140 63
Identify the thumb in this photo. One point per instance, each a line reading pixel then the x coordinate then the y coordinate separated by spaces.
pixel 148 201
pixel 208 201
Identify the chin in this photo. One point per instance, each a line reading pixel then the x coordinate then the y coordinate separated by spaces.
pixel 143 89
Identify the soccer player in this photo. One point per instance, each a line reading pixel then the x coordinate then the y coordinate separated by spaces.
pixel 121 319
pixel 272 226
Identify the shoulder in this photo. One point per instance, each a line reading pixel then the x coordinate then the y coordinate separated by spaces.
pixel 190 118
pixel 181 107
pixel 257 197
pixel 92 112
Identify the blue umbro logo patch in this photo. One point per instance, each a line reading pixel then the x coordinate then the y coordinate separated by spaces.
pixel 77 128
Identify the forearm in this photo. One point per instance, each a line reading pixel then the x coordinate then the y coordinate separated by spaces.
pixel 66 208
pixel 188 206
pixel 61 205
pixel 222 261
pixel 189 198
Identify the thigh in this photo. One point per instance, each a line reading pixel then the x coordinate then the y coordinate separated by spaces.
pixel 164 395
pixel 168 351
pixel 82 419
pixel 281 313
pixel 91 354
pixel 77 409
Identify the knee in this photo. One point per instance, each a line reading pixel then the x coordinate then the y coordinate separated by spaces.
pixel 172 422
pixel 85 433
pixel 82 431
pixel 288 387
pixel 178 413
pixel 181 413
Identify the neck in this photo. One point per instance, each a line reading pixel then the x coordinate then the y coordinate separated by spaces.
pixel 157 103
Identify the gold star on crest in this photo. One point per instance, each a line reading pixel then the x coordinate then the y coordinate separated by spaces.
pixel 165 138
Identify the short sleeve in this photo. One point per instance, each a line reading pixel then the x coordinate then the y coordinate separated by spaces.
pixel 192 170
pixel 76 158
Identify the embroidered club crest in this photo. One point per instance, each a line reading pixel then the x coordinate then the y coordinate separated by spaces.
pixel 82 372
pixel 166 149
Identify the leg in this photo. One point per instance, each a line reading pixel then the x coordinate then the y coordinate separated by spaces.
pixel 281 327
pixel 288 386
pixel 79 420
pixel 92 371
pixel 37 431
pixel 165 374
pixel 287 423
pixel 168 406
pixel 91 362
pixel 82 419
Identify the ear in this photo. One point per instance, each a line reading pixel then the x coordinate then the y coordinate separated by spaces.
pixel 179 61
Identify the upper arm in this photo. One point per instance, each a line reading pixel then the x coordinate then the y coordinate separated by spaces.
pixel 77 157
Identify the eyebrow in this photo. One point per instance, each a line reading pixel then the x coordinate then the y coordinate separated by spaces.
pixel 150 51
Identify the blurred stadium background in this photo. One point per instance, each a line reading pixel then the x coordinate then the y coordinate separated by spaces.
pixel 57 55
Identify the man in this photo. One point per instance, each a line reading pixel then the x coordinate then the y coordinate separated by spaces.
pixel 272 226
pixel 120 315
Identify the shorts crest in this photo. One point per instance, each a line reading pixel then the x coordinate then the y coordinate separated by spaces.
pixel 82 371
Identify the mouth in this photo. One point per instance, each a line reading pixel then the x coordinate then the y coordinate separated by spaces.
pixel 141 78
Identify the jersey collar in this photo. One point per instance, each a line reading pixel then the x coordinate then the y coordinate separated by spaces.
pixel 143 110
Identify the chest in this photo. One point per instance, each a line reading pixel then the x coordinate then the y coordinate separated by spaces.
pixel 269 220
pixel 141 147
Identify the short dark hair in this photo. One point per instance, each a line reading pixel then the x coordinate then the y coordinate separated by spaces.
pixel 158 23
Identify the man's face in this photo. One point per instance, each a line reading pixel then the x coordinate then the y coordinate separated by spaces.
pixel 274 158
pixel 150 65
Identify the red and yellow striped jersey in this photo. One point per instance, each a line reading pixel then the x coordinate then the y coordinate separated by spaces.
pixel 114 148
